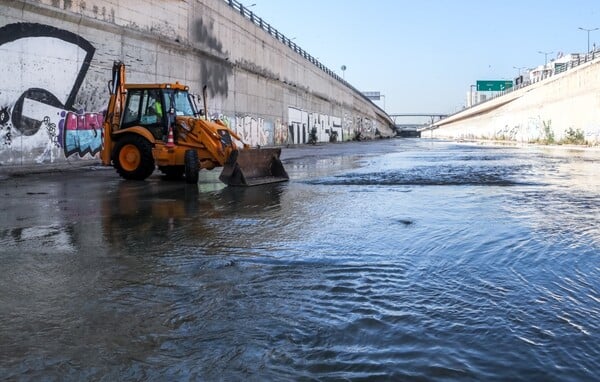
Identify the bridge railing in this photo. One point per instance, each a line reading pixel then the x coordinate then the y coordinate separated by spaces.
pixel 262 24
pixel 577 60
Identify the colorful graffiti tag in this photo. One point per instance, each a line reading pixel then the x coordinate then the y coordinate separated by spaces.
pixel 281 133
pixel 44 118
pixel 42 70
pixel 82 133
pixel 253 130
pixel 328 128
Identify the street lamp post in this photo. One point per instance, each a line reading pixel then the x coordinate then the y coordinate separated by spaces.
pixel 519 79
pixel 545 57
pixel 244 8
pixel 588 36
pixel 519 69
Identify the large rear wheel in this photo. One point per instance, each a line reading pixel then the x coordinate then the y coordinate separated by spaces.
pixel 192 166
pixel 132 157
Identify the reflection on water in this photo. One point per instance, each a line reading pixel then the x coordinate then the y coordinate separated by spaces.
pixel 393 260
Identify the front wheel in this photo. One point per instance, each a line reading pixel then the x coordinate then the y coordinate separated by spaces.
pixel 192 166
pixel 132 157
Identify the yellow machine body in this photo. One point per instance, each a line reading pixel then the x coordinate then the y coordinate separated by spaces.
pixel 149 125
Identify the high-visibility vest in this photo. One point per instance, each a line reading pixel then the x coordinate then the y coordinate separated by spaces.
pixel 158 108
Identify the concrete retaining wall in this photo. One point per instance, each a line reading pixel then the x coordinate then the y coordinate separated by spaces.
pixel 57 56
pixel 555 110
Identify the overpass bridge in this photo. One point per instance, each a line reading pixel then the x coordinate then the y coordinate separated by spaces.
pixel 414 129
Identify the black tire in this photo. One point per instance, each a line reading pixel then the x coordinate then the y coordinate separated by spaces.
pixel 172 172
pixel 132 157
pixel 192 166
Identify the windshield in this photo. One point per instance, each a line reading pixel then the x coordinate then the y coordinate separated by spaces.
pixel 182 102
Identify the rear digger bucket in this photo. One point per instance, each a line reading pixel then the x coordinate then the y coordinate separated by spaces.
pixel 252 167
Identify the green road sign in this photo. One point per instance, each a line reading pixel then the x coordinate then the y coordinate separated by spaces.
pixel 493 86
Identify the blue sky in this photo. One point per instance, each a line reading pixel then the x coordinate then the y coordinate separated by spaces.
pixel 423 55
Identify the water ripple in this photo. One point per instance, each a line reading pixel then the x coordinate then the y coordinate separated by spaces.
pixel 414 262
pixel 444 175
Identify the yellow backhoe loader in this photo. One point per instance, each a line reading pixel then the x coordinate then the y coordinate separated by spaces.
pixel 149 125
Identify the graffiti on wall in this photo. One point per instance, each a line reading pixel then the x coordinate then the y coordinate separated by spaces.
pixel 281 133
pixel 536 129
pixel 507 133
pixel 221 117
pixel 539 130
pixel 82 133
pixel 300 123
pixel 348 124
pixel 43 68
pixel 364 127
pixel 253 130
pixel 259 131
pixel 297 125
pixel 327 127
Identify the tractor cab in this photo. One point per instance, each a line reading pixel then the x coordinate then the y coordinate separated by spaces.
pixel 151 107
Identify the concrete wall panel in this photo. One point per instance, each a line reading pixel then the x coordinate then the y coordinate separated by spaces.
pixel 543 112
pixel 57 56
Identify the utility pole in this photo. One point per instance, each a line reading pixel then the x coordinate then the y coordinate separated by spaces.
pixel 545 57
pixel 588 36
pixel 519 69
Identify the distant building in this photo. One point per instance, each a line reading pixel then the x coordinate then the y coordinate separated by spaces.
pixel 559 65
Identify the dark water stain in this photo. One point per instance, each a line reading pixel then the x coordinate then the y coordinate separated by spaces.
pixel 203 34
pixel 215 74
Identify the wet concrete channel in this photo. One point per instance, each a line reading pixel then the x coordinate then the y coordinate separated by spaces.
pixel 395 259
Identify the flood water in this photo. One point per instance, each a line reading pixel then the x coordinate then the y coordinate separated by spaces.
pixel 387 260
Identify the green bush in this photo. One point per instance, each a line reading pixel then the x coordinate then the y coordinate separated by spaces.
pixel 548 133
pixel 574 137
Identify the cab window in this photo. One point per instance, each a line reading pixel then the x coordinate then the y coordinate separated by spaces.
pixel 181 102
pixel 144 107
pixel 152 107
pixel 132 109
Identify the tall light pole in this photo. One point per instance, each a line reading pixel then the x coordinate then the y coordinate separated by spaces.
pixel 545 57
pixel 244 8
pixel 588 35
pixel 519 69
pixel 343 72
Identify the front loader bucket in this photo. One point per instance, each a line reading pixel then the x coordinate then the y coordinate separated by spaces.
pixel 251 167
